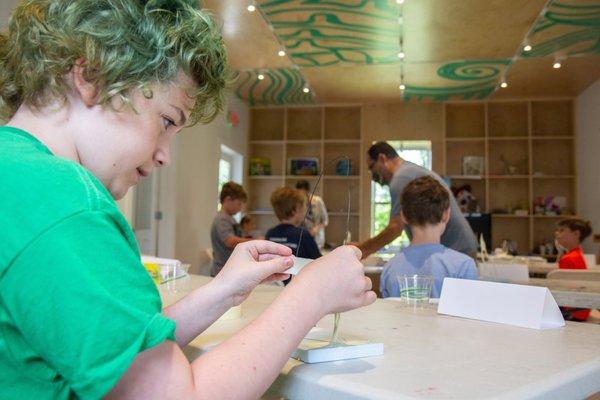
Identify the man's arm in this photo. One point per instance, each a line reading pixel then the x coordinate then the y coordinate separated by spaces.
pixel 391 232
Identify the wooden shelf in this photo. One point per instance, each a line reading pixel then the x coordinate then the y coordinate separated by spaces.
pixel 267 142
pixel 342 123
pixel 267 124
pixel 467 177
pixel 543 216
pixel 508 138
pixel 465 139
pixel 533 136
pixel 553 176
pixel 342 177
pixel 507 119
pixel 342 141
pixel 569 137
pixel 304 123
pixel 509 216
pixel 307 177
pixel 552 118
pixel 325 133
pixel 266 177
pixel 508 176
pixel 303 142
pixel 465 120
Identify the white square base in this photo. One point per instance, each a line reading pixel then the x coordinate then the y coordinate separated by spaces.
pixel 315 348
pixel 311 351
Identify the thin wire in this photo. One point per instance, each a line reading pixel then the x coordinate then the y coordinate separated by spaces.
pixel 312 193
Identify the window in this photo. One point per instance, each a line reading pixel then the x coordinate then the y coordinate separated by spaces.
pixel 416 151
pixel 230 168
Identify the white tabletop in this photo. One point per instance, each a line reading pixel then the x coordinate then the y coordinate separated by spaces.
pixel 430 356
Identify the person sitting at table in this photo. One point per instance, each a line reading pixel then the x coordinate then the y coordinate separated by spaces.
pixel 290 207
pixel 569 234
pixel 93 93
pixel 426 207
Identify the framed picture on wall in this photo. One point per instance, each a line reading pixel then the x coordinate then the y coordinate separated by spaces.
pixel 303 166
pixel 473 165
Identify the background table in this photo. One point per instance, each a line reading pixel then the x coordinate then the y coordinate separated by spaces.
pixel 429 355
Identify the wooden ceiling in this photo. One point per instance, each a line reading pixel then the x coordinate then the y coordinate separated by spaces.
pixel 348 50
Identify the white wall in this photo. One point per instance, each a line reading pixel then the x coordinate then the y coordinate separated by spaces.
pixel 6 8
pixel 587 115
pixel 197 177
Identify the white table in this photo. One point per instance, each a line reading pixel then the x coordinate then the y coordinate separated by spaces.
pixel 430 356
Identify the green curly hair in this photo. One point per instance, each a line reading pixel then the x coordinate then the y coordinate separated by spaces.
pixel 126 45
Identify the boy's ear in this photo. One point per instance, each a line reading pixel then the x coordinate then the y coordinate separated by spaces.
pixel 403 218
pixel 446 216
pixel 88 91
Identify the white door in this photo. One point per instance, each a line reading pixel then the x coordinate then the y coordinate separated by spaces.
pixel 146 215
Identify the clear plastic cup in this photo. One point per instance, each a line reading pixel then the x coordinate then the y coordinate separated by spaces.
pixel 415 289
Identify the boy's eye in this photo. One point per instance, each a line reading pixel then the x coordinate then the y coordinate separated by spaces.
pixel 168 122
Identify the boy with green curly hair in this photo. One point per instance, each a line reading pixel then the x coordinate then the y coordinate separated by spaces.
pixel 93 91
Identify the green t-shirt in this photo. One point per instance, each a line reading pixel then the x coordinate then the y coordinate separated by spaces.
pixel 76 305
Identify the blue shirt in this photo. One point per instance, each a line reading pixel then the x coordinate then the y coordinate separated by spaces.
pixel 289 235
pixel 458 234
pixel 426 259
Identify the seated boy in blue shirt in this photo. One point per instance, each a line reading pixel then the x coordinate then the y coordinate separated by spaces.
pixel 426 208
pixel 290 206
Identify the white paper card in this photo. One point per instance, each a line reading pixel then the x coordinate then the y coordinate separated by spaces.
pixel 519 305
pixel 504 272
pixel 299 263
pixel 316 348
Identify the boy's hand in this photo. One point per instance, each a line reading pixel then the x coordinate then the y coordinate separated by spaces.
pixel 251 263
pixel 337 281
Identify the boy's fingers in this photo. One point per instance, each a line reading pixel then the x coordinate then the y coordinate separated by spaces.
pixel 268 256
pixel 276 278
pixel 368 298
pixel 275 265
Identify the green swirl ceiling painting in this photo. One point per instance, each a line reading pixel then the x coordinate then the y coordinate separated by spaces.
pixel 483 75
pixel 349 50
pixel 324 33
pixel 277 87
pixel 569 27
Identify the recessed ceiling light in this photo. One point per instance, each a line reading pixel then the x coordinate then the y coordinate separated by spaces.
pixel 399 1
pixel 402 87
pixel 527 47
pixel 281 53
pixel 306 90
pixel 503 84
pixel 251 8
pixel 557 65
pixel 261 77
pixel 401 55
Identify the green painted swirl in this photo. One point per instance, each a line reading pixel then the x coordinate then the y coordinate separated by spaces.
pixel 472 70
pixel 323 33
pixel 583 17
pixel 279 87
pixel 469 92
